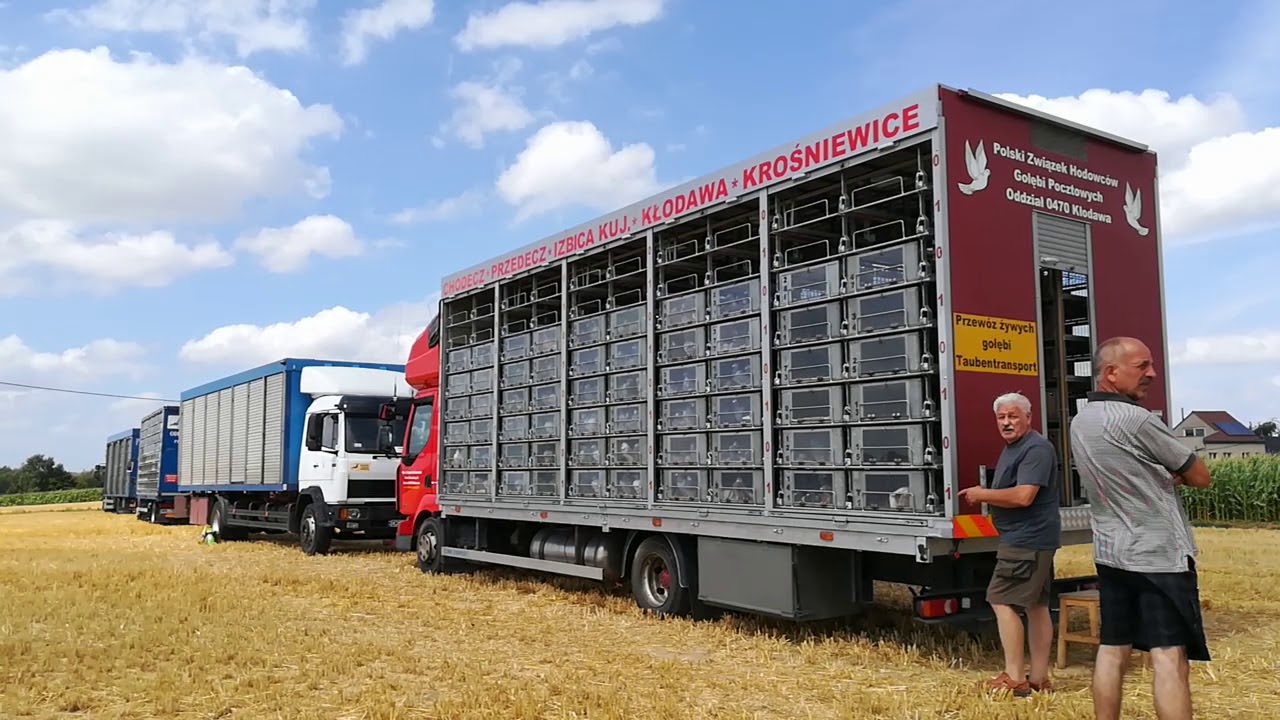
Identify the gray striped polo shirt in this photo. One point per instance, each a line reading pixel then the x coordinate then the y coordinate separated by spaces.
pixel 1127 457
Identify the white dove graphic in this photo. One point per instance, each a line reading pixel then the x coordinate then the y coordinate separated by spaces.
pixel 976 164
pixel 1133 209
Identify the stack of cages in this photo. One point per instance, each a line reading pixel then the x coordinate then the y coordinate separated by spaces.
pixel 710 378
pixel 607 383
pixel 856 391
pixel 530 357
pixel 469 384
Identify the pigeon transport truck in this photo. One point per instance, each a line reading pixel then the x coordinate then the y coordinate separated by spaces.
pixel 120 473
pixel 300 446
pixel 763 390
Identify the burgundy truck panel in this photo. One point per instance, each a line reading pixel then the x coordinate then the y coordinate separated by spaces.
pixel 1029 166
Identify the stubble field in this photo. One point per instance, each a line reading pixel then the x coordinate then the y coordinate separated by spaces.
pixel 107 617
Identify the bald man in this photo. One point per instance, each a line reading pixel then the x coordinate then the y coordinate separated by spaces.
pixel 1131 464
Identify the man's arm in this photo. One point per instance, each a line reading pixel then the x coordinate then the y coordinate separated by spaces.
pixel 1163 446
pixel 1034 472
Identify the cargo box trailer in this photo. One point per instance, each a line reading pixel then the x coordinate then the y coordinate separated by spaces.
pixel 763 390
pixel 120 473
pixel 298 446
pixel 158 498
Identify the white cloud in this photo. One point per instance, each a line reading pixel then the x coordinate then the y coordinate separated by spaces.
pixel 335 333
pixel 193 141
pixel 485 109
pixel 104 357
pixel 38 254
pixel 287 249
pixel 572 163
pixel 438 210
pixel 1238 349
pixel 1217 176
pixel 381 22
pixel 254 25
pixel 486 106
pixel 551 23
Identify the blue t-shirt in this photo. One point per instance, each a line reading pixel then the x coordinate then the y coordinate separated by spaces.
pixel 1029 460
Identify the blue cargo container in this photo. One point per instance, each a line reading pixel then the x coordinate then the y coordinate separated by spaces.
pixel 158 466
pixel 257 448
pixel 120 479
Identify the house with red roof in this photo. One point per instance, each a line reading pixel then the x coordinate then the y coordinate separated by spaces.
pixel 1215 434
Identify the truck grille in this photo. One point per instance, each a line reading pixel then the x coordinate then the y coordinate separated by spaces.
pixel 367 488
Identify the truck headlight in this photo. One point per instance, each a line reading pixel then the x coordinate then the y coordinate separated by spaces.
pixel 351 513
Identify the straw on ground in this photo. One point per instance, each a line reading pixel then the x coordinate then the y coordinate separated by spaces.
pixel 112 618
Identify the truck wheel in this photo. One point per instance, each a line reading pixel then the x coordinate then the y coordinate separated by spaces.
pixel 655 579
pixel 314 537
pixel 222 531
pixel 430 545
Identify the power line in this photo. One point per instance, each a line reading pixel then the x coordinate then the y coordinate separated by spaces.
pixel 83 392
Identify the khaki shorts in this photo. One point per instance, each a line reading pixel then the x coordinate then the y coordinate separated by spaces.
pixel 1022 577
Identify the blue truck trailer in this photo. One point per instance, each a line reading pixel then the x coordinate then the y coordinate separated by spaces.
pixel 157 475
pixel 299 446
pixel 120 472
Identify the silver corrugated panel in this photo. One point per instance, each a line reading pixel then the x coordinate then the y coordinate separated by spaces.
pixel 211 439
pixel 1063 243
pixel 253 427
pixel 185 411
pixel 225 436
pixel 273 432
pixel 199 431
pixel 150 437
pixel 239 431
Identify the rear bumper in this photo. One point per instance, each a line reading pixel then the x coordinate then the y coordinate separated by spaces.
pixel 965 606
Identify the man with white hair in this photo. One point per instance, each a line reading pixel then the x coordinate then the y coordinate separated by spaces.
pixel 1024 509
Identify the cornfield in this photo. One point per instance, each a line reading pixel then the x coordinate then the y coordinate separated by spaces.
pixel 52 497
pixel 1243 490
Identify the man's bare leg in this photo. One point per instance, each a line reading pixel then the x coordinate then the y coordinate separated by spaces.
pixel 1172 683
pixel 1040 636
pixel 1108 680
pixel 1011 638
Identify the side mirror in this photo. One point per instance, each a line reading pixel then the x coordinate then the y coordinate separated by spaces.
pixel 387 412
pixel 386 440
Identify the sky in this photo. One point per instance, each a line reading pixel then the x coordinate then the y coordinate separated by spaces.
pixel 189 188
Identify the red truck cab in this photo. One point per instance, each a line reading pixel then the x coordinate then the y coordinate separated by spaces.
pixel 415 481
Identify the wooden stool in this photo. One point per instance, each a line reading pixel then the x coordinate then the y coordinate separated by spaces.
pixel 1088 600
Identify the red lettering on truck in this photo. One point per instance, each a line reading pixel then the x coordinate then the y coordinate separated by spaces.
pixel 694 199
pixel 848 142
pixel 465 282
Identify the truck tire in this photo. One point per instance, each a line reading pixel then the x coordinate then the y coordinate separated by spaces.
pixel 223 532
pixel 430 541
pixel 313 536
pixel 655 579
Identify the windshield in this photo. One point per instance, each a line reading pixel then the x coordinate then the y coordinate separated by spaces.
pixel 420 430
pixel 362 433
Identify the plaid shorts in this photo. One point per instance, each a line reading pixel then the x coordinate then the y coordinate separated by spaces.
pixel 1151 610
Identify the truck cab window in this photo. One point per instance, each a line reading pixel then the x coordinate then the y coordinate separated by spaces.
pixel 362 433
pixel 420 430
pixel 329 432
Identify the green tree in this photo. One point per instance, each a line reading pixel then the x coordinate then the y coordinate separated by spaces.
pixel 8 476
pixel 1265 429
pixel 42 474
